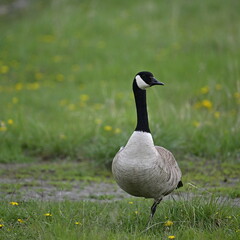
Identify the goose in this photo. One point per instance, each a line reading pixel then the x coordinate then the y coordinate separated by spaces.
pixel 140 168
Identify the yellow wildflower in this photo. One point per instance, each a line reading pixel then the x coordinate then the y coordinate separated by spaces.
pixel 82 104
pixel 130 202
pixel 47 38
pixel 171 237
pixel 117 130
pixel 97 106
pixel 3 127
pixel 168 223
pixel 98 121
pixel 10 121
pixel 38 75
pixel 207 104
pixel 19 86
pixel 33 86
pixel 15 100
pixel 71 107
pixel 63 102
pixel 62 136
pixel 14 203
pixel 196 124
pixel 57 59
pixel 204 90
pixel 84 97
pixel 136 212
pixel 78 223
pixel 237 97
pixel 47 214
pixel 197 105
pixel 218 86
pixel 1 225
pixel 108 128
pixel 60 77
pixel 75 67
pixel 216 114
pixel 4 69
pixel 20 220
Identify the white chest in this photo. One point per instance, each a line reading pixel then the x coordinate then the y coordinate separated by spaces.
pixel 139 150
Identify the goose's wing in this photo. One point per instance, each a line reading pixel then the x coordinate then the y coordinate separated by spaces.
pixel 170 166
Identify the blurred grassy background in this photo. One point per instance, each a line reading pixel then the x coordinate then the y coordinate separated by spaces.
pixel 66 69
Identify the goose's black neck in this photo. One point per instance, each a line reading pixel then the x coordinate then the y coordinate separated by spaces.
pixel 141 106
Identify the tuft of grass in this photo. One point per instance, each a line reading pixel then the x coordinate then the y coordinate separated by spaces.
pixel 195 218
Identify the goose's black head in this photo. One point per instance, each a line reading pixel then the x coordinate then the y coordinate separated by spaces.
pixel 145 80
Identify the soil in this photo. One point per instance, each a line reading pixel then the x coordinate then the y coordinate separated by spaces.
pixel 83 190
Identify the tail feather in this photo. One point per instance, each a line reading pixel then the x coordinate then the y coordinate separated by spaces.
pixel 180 184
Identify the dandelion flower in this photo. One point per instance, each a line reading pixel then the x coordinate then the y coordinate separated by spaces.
pixel 1 225
pixel 98 106
pixel 217 114
pixel 237 95
pixel 75 68
pixel 218 87
pixel 108 128
pixel 207 104
pixel 3 127
pixel 71 107
pixel 10 121
pixel 62 136
pixel 204 90
pixel 78 223
pixel 57 58
pixel 63 102
pixel 47 214
pixel 171 237
pixel 38 75
pixel 60 77
pixel 19 86
pixel 197 105
pixel 14 203
pixel 15 100
pixel 130 202
pixel 98 121
pixel 117 130
pixel 20 220
pixel 168 223
pixel 196 124
pixel 33 86
pixel 84 97
pixel 4 69
pixel 47 38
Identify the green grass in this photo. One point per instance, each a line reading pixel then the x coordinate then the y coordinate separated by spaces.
pixel 198 218
pixel 67 68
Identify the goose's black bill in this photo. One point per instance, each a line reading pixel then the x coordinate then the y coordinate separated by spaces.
pixel 154 81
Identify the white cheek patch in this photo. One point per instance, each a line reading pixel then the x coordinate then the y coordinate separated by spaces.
pixel 140 83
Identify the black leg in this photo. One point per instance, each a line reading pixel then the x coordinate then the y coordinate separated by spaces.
pixel 154 207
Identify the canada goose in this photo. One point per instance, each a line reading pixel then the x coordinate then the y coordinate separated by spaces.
pixel 140 168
